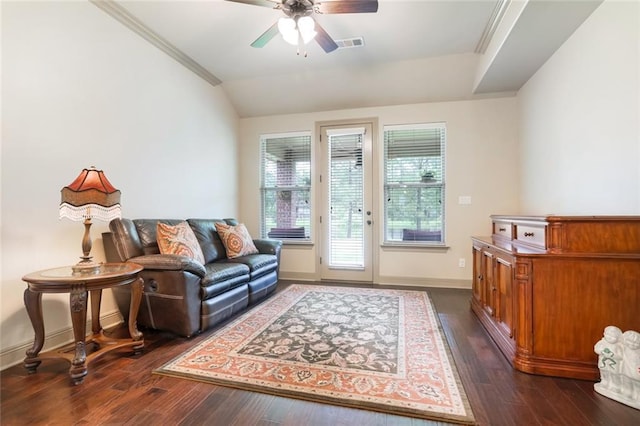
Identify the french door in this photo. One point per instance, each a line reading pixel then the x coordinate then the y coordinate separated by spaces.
pixel 346 218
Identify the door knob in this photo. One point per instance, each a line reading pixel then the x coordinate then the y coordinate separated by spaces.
pixel 368 222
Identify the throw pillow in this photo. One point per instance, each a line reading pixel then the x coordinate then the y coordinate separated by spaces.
pixel 236 240
pixel 179 239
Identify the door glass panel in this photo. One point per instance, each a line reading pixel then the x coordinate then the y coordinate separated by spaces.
pixel 346 192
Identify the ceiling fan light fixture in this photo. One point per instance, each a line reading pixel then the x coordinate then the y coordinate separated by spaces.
pixel 306 26
pixel 287 28
pixel 298 27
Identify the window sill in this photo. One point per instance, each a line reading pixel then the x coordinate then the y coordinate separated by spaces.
pixel 403 246
pixel 303 243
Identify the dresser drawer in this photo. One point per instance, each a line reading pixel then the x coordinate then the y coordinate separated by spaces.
pixel 534 235
pixel 502 229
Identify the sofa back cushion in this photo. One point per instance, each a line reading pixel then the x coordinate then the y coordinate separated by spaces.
pixel 125 238
pixel 147 233
pixel 231 221
pixel 210 242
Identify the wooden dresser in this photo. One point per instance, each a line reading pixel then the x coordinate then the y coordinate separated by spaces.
pixel 545 287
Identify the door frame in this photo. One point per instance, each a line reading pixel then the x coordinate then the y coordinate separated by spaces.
pixel 370 152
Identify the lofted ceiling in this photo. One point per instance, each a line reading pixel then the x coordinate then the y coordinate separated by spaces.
pixel 414 50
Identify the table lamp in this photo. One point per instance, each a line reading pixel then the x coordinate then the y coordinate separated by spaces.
pixel 89 196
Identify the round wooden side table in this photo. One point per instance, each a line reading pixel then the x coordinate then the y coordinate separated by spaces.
pixel 79 285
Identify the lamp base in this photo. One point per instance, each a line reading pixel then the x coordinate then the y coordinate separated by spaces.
pixel 86 267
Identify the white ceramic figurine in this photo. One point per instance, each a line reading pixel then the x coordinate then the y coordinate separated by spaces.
pixel 619 364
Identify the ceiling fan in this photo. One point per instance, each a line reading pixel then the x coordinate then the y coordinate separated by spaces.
pixel 297 26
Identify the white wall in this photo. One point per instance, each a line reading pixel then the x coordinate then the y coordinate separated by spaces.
pixel 80 89
pixel 579 115
pixel 481 163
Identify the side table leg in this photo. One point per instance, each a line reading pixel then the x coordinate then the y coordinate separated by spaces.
pixel 136 297
pixel 96 299
pixel 78 304
pixel 33 304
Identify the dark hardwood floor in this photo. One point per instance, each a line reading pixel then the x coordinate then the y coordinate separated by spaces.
pixel 120 389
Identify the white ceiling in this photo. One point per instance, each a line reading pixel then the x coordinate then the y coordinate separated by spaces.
pixel 415 50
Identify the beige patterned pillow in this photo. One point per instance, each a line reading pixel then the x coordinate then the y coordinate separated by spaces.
pixel 179 239
pixel 236 239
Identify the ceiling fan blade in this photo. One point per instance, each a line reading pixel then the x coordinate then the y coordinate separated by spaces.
pixel 272 4
pixel 266 36
pixel 347 6
pixel 324 39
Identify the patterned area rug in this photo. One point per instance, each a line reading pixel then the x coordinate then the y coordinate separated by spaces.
pixel 367 348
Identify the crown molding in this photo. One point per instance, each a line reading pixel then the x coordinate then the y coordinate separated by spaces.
pixel 125 17
pixel 492 24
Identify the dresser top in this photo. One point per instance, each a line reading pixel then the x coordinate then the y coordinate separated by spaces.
pixel 569 234
pixel 559 218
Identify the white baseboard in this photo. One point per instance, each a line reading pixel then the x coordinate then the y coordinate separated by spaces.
pixel 16 354
pixel 300 276
pixel 391 280
pixel 426 282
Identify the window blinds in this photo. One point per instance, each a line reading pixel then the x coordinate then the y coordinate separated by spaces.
pixel 414 183
pixel 346 192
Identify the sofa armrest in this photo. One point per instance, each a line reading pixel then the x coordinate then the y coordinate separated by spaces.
pixel 265 246
pixel 169 262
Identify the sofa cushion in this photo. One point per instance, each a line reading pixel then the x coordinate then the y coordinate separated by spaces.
pixel 178 239
pixel 236 239
pixel 288 233
pixel 222 276
pixel 210 242
pixel 421 235
pixel 259 264
pixel 125 239
pixel 217 309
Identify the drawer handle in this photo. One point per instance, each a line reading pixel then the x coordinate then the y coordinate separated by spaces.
pixel 528 234
pixel 502 229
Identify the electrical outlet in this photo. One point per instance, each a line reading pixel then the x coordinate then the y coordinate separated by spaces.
pixel 461 262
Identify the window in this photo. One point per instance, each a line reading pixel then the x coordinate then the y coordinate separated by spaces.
pixel 286 186
pixel 414 184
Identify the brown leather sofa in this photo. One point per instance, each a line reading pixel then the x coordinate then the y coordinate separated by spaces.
pixel 184 296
